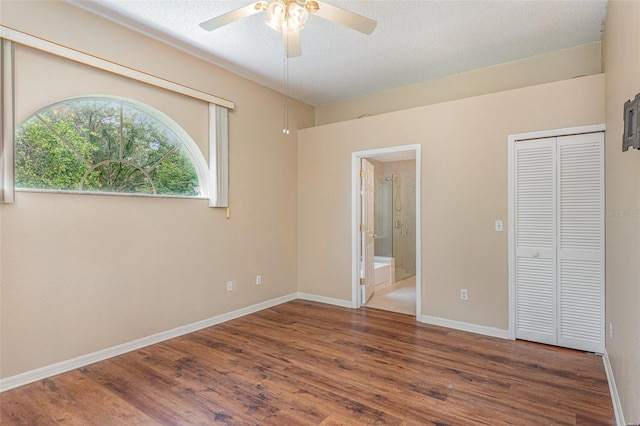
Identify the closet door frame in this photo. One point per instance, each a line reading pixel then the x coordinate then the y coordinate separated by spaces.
pixel 512 140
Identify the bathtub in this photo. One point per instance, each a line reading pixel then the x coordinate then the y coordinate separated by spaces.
pixel 383 272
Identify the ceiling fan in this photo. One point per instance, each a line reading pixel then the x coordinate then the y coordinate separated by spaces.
pixel 289 17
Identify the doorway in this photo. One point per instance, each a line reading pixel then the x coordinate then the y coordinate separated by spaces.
pixel 396 227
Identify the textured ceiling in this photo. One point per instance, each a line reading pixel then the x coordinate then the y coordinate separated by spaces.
pixel 414 41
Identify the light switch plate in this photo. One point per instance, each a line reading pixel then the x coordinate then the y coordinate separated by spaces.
pixel 499 226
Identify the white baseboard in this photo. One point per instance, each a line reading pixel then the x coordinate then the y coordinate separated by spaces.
pixel 84 360
pixel 465 326
pixel 615 399
pixel 324 299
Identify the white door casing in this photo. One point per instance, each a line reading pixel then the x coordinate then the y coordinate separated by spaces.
pixel 356 209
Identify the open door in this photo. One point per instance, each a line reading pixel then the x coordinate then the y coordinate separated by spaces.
pixel 367 234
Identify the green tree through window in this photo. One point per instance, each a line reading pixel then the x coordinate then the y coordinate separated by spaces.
pixel 103 145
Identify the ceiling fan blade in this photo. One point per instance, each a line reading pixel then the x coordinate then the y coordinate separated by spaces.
pixel 234 15
pixel 292 43
pixel 346 18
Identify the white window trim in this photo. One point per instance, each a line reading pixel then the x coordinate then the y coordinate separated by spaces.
pixel 7 123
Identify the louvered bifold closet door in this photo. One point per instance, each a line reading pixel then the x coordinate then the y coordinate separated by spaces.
pixel 580 267
pixel 535 240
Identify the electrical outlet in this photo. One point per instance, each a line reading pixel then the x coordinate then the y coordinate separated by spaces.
pixel 258 279
pixel 464 294
pixel 229 285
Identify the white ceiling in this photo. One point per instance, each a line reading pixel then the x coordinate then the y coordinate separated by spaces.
pixel 414 41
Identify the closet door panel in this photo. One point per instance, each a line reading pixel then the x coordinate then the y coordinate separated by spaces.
pixel 581 324
pixel 580 267
pixel 535 300
pixel 535 240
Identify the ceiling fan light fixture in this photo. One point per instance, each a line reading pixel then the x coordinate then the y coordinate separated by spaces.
pixel 311 6
pixel 261 6
pixel 276 14
pixel 296 17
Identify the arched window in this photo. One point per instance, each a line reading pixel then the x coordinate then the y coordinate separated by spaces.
pixel 108 145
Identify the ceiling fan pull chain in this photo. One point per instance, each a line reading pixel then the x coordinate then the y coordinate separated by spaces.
pixel 285 112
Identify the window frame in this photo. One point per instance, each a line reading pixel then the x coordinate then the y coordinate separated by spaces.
pixel 190 147
pixel 10 37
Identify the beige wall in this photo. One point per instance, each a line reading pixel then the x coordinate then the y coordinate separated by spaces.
pixel 556 66
pixel 621 54
pixel 463 190
pixel 81 273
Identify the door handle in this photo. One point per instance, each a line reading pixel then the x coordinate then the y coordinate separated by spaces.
pixel 374 235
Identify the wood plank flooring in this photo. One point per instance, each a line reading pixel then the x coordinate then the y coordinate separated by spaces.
pixel 305 363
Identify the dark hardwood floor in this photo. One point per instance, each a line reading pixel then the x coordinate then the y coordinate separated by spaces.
pixel 305 363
